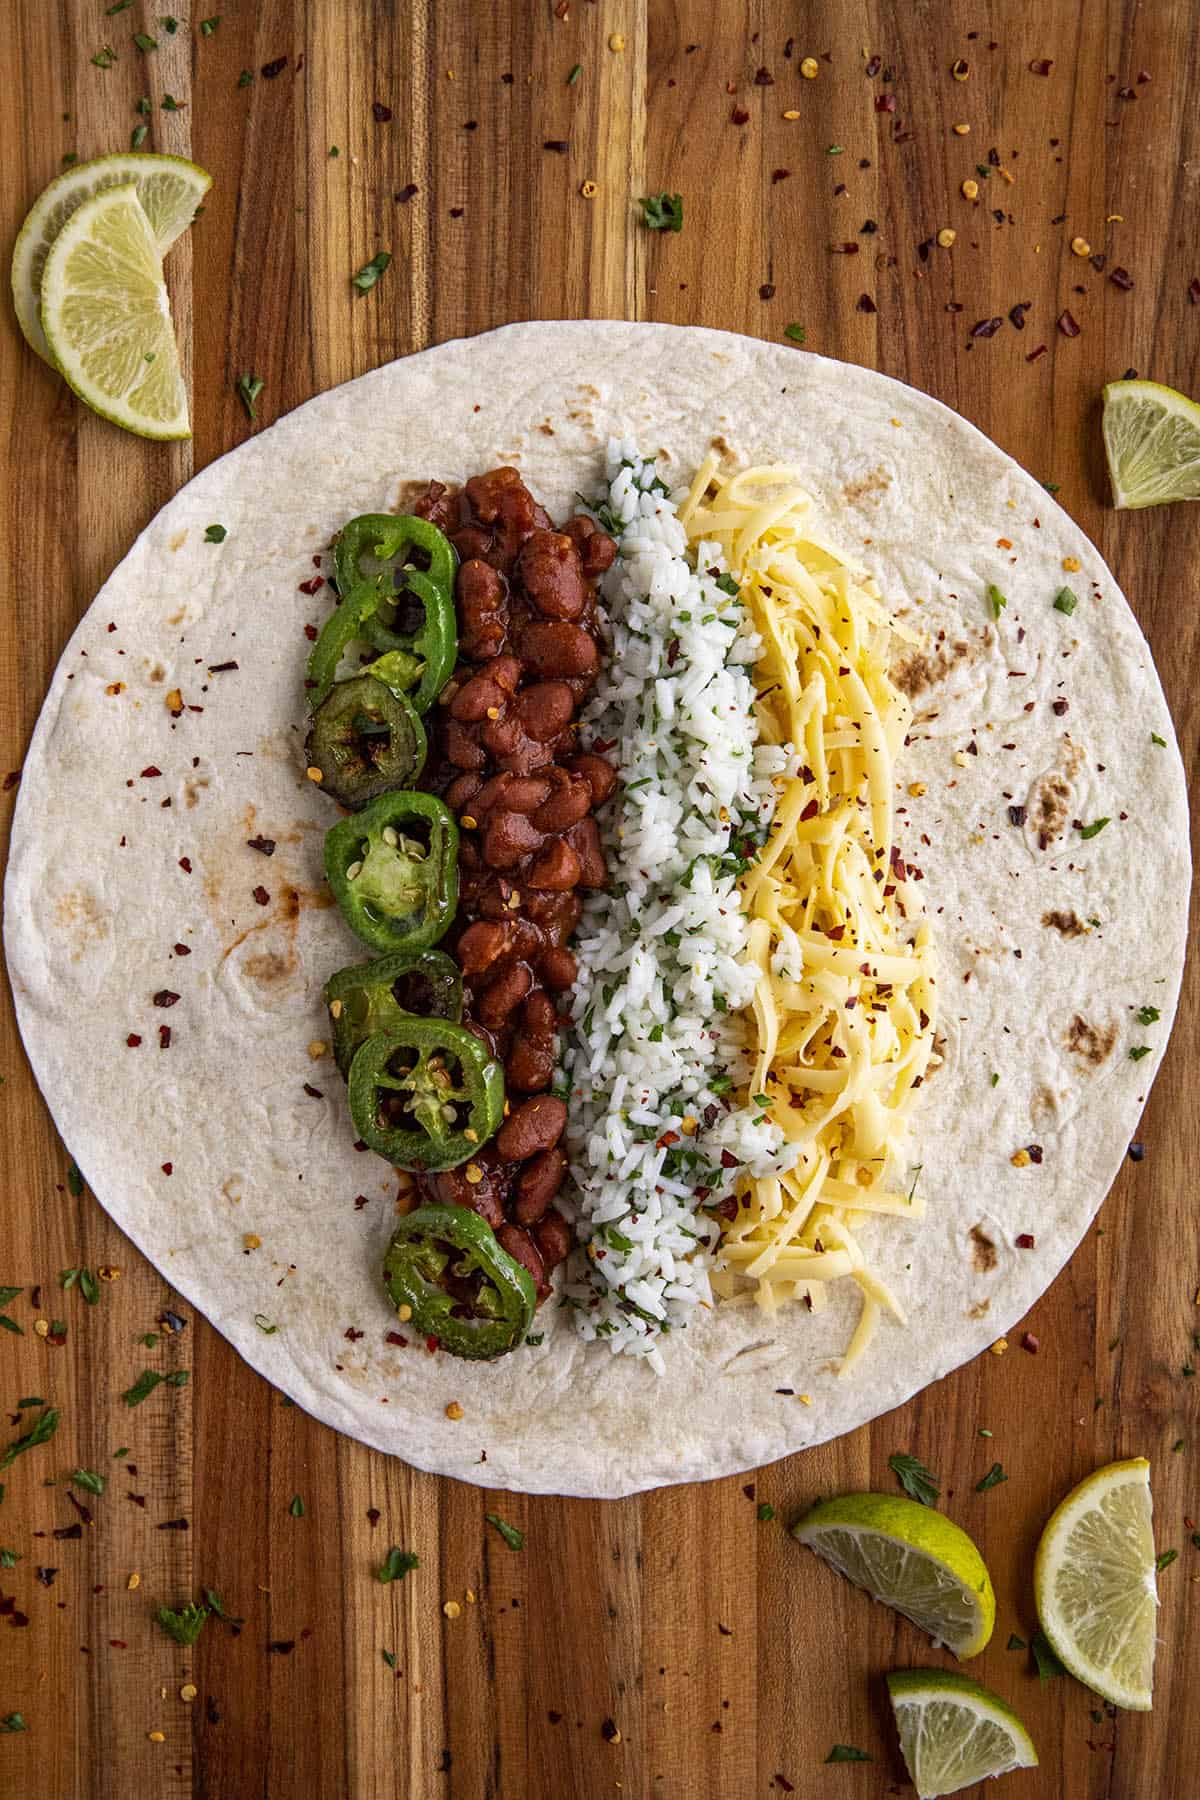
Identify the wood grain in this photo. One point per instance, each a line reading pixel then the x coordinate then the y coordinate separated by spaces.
pixel 728 1660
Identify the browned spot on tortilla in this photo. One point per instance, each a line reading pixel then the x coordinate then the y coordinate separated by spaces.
pixel 79 918
pixel 979 1309
pixel 178 540
pixel 546 428
pixel 1043 1107
pixel 591 392
pixel 1049 806
pixel 917 670
pixel 177 618
pixel 292 902
pixel 156 672
pixel 407 492
pixel 227 1186
pixel 720 443
pixel 1092 1044
pixel 1068 923
pixel 877 482
pixel 983 1255
pixel 192 787
pixel 270 966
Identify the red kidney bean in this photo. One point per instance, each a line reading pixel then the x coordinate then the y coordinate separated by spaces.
pixel 451 1188
pixel 483 610
pixel 539 1016
pixel 552 1235
pixel 520 1247
pixel 477 697
pixel 535 1125
pixel 472 543
pixel 553 648
pixel 539 1182
pixel 545 709
pixel 600 776
pixel 529 1064
pixel 558 968
pixel 557 867
pixel 597 551
pixel 509 836
pixel 584 839
pixel 550 571
pixel 512 792
pixel 462 748
pixel 481 945
pixel 556 914
pixel 502 997
pixel 462 791
pixel 569 802
pixel 437 504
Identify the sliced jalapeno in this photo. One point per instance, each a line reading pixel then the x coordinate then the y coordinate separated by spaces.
pixel 445 1270
pixel 365 739
pixel 370 996
pixel 410 566
pixel 393 869
pixel 425 1093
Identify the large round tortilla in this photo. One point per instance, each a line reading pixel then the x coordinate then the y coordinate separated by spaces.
pixel 97 898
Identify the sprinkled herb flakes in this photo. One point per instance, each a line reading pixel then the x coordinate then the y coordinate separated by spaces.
pixel 662 212
pixel 514 1538
pixel 370 272
pixel 396 1564
pixel 917 1481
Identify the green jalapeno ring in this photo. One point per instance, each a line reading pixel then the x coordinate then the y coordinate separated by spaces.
pixel 431 647
pixel 369 996
pixel 376 550
pixel 339 631
pixel 393 869
pixel 365 739
pixel 377 544
pixel 439 1077
pixel 436 1243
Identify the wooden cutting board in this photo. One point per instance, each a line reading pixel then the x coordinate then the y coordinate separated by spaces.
pixel 457 138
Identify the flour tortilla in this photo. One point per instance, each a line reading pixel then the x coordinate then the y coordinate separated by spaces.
pixel 96 898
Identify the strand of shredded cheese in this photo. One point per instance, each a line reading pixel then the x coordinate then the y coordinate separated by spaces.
pixel 843 1016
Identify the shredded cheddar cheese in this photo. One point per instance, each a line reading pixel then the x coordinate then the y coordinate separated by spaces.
pixel 843 1016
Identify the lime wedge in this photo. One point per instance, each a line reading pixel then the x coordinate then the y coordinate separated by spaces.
pixel 911 1558
pixel 953 1732
pixel 107 318
pixel 1152 441
pixel 1093 1580
pixel 169 188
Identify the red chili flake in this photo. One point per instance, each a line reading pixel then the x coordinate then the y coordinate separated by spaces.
pixel 432 1344
pixel 411 191
pixel 764 78
pixel 1194 290
pixel 1016 815
pixel 8 1610
pixel 1042 67
pixel 117 1644
pixel 560 146
pixel 165 997
pixel 221 668
pixel 1017 313
pixel 849 249
pixel 986 328
pixel 1143 75
pixel 667 1139
pixel 766 291
pixel 1126 93
pixel 885 103
pixel 739 116
pixel 262 896
pixel 380 113
pixel 811 810
pixel 672 652
pixel 1034 354
pixel 182 950
pixel 1035 1152
pixel 272 69
pixel 46 1576
pixel 66 1532
pixel 164 1037
pixel 1121 278
pixel 173 1525
pixel 1059 707
pixel 167 1168
pixel 728 1160
pixel 313 585
pixel 360 1200
pixel 783 1782
pixel 351 1335
pixel 149 773
pixel 1030 1343
pixel 313 1092
pixel 779 175
pixel 133 1040
pixel 185 863
pixel 394 1337
pixel 873 67
pixel 14 775
pixel 264 845
pixel 1025 1240
pixel 1067 325
pixel 866 304
pixel 836 932
pixel 373 1516
pixel 83 1511
pixel 282 1646
pixel 310 632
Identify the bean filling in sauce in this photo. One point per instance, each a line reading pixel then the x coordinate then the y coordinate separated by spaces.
pixel 503 756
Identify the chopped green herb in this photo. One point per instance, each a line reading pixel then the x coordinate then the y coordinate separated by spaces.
pixel 1015 1642
pixel 87 1478
pixel 215 534
pixel 249 387
pixel 334 151
pixel 1065 601
pixel 995 1079
pixel 7 1324
pixel 795 333
pixel 170 104
pixel 67 1279
pixel 170 24
pixel 834 150
pixel 916 1480
pixel 1148 1015
pixel 143 1387
pixel 89 1287
pixel 662 212
pixel 396 1564
pixel 535 1338
pixel 1051 487
pixel 264 1325
pixel 1165 1559
pixel 1178 1445
pixel 150 1340
pixel 1138 1051
pixel 58 1329
pixel 123 1451
pixel 574 75
pixel 1187 1372
pixel 180 1378
pixel 1113 1342
pixel 728 583
pixel 8 1558
pixel 848 1753
pixel 119 6
pixel 996 600
pixel 105 58
pixel 297 1507
pixel 215 1605
pixel 983 171
pixel 145 42
pixel 41 1433
pixel 1094 829
pixel 766 1511
pixel 993 1478
pixel 1048 1665
pixel 984 1432
pixel 185 1626
pixel 9 1293
pixel 1160 741
pixel 138 135
pixel 245 78
pixel 13 1722
pixel 208 26
pixel 69 157
pixel 656 1034
pixel 513 1538
pixel 34 1400
pixel 370 272
pixel 142 106
pixel 389 1658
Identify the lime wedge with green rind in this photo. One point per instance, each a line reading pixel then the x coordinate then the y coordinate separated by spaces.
pixel 1152 441
pixel 955 1732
